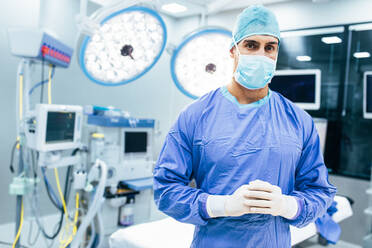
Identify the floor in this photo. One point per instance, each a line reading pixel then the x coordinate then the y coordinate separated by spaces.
pixel 313 243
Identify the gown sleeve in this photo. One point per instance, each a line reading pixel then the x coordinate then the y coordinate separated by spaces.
pixel 312 189
pixel 173 173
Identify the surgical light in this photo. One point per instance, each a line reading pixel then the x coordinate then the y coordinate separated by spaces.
pixel 303 58
pixel 126 45
pixel 174 8
pixel 331 40
pixel 362 55
pixel 202 62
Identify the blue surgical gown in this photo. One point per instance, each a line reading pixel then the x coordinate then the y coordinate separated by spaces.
pixel 222 146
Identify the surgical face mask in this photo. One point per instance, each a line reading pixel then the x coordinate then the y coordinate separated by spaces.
pixel 254 71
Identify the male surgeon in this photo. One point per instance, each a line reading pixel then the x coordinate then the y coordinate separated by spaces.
pixel 254 155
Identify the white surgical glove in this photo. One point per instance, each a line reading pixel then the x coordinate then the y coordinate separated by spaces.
pixel 258 197
pixel 228 205
pixel 265 198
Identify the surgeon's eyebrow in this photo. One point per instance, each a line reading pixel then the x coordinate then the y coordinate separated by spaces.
pixel 250 41
pixel 256 42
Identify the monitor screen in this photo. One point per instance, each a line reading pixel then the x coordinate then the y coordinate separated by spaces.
pixel 60 127
pixel 135 142
pixel 369 94
pixel 297 88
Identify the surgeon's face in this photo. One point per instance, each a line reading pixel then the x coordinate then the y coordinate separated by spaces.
pixel 264 45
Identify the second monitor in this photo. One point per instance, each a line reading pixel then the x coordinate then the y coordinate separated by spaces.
pixel 135 142
pixel 300 86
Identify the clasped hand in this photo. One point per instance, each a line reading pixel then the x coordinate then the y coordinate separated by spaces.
pixel 260 197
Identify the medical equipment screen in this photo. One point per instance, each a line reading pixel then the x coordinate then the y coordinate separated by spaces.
pixel 369 94
pixel 135 142
pixel 60 127
pixel 297 88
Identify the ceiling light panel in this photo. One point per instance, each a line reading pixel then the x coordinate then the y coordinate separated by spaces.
pixel 331 40
pixel 174 8
pixel 362 55
pixel 303 58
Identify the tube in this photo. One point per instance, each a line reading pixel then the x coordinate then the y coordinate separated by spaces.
pixel 101 230
pixel 90 243
pixel 19 72
pixel 96 204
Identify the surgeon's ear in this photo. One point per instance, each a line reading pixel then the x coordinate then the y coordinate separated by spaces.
pixel 232 52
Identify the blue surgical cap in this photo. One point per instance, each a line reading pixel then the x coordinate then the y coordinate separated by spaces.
pixel 255 20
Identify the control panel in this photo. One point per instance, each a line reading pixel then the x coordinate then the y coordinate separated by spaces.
pixel 39 45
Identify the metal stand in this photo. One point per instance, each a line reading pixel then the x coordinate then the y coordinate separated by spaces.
pixel 19 198
pixel 24 68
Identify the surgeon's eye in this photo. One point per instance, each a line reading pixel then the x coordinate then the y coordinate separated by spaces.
pixel 270 48
pixel 251 45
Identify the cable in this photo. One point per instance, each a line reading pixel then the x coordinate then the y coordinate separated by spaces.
pixel 17 93
pixel 20 104
pixel 42 79
pixel 67 191
pixel 65 242
pixel 76 211
pixel 66 196
pixel 60 192
pixel 50 192
pixel 50 85
pixel 20 97
pixel 41 227
pixel 20 226
pixel 11 167
pixel 27 161
pixel 62 242
pixel 10 244
pixel 41 83
pixel 29 242
pixel 34 164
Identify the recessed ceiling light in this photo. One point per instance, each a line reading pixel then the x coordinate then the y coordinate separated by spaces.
pixel 362 55
pixel 320 1
pixel 331 40
pixel 174 8
pixel 303 58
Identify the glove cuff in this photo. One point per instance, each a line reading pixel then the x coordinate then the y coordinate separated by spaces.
pixel 291 207
pixel 216 206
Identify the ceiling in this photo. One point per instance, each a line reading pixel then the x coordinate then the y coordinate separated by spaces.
pixel 195 7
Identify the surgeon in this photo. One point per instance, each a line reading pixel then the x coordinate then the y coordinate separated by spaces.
pixel 254 155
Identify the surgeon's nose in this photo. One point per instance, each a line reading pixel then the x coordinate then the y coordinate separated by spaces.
pixel 261 51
